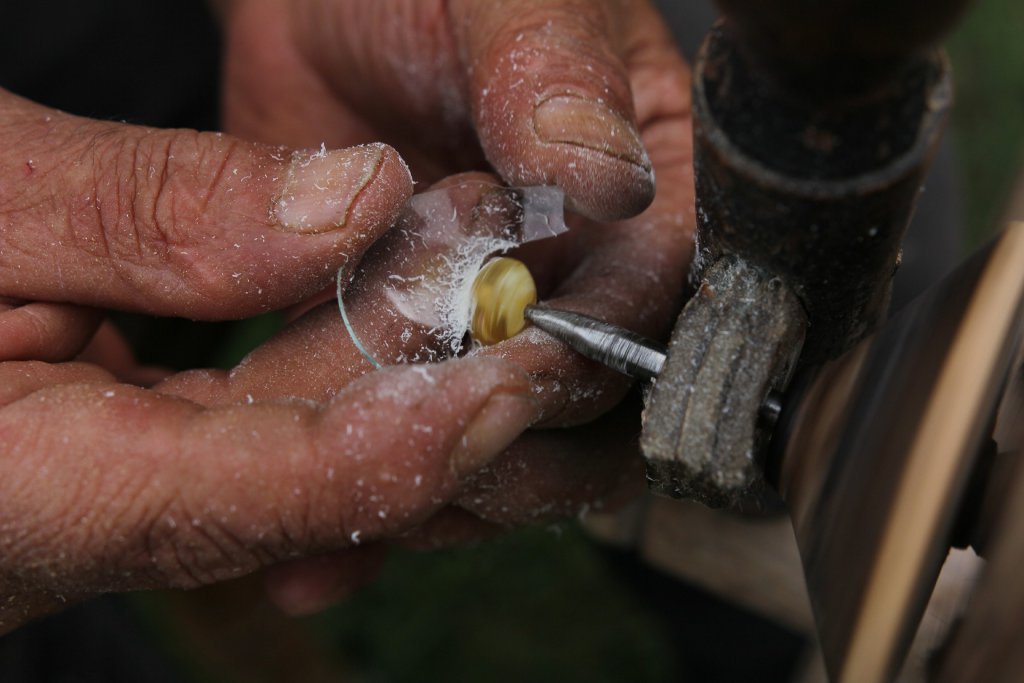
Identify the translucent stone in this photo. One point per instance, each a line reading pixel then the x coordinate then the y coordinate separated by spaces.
pixel 501 292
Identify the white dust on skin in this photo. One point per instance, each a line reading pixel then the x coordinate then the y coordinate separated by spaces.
pixel 443 301
pixel 385 494
pixel 379 417
pixel 511 144
pixel 321 186
pixel 254 266
pixel 452 300
pixel 448 297
pixel 370 494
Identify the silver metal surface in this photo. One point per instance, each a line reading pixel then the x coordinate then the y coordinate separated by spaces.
pixel 611 345
pixel 771 409
pixel 877 460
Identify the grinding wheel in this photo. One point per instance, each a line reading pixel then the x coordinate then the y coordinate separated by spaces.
pixel 874 459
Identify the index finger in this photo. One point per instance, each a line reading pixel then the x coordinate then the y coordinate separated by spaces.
pixel 178 222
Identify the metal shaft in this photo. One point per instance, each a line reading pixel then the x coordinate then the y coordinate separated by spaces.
pixel 616 347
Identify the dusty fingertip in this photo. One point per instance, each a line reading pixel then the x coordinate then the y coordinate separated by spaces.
pixel 326 190
pixel 610 190
pixel 597 185
pixel 502 419
pixel 586 123
pixel 497 398
pixel 378 206
pixel 320 187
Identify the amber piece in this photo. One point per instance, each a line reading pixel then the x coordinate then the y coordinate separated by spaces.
pixel 501 291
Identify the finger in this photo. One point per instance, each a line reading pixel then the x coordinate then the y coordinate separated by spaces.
pixel 344 73
pixel 109 350
pixel 632 273
pixel 541 85
pixel 316 356
pixel 176 222
pixel 270 93
pixel 47 332
pixel 21 378
pixel 551 98
pixel 112 487
pixel 313 584
pixel 557 474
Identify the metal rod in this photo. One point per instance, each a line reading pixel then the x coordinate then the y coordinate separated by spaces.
pixel 611 345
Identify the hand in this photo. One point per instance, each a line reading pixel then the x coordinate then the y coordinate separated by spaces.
pixel 107 486
pixel 569 92
pixel 548 91
pixel 552 91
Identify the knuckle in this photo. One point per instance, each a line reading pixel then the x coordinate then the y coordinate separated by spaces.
pixel 187 551
pixel 194 540
pixel 661 93
pixel 129 179
pixel 154 186
pixel 158 203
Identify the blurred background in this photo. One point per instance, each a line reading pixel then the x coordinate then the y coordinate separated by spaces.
pixel 541 604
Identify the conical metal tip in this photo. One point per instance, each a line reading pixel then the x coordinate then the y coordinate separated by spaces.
pixel 611 345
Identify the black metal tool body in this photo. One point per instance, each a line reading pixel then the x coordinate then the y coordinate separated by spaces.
pixel 814 124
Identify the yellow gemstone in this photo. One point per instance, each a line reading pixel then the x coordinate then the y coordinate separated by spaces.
pixel 501 292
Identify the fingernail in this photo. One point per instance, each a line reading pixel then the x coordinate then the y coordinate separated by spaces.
pixel 321 187
pixel 502 419
pixel 577 121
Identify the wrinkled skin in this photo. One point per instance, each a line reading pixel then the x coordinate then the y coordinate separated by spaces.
pixel 301 451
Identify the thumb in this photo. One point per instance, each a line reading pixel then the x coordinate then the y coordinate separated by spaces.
pixel 552 102
pixel 176 222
